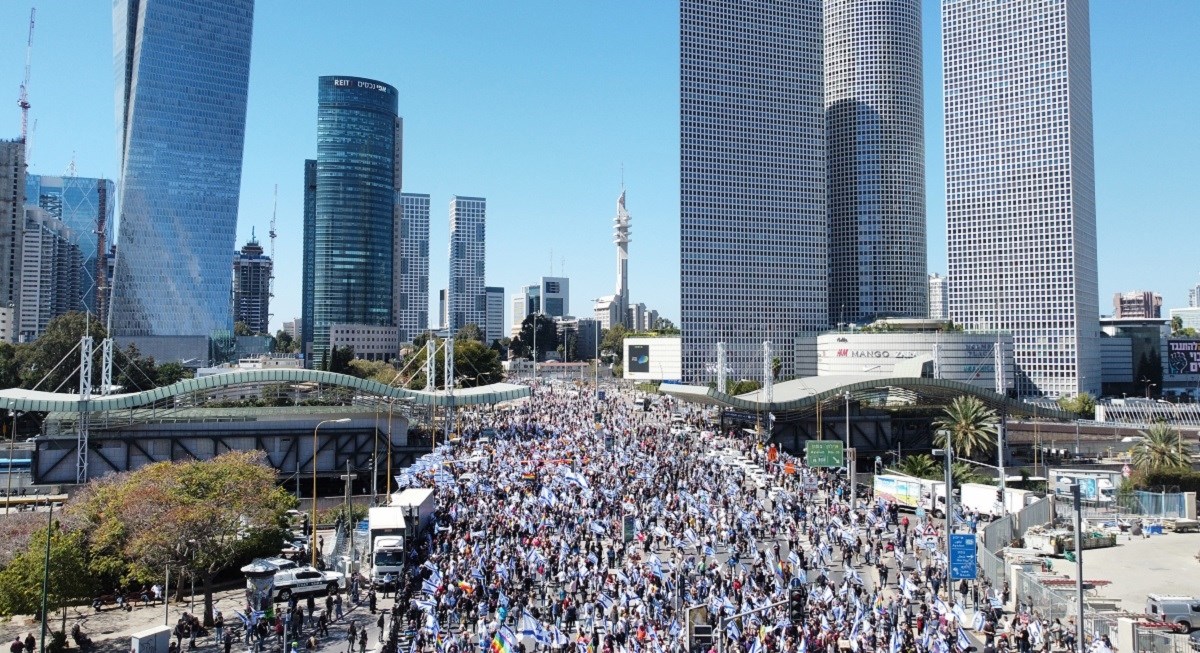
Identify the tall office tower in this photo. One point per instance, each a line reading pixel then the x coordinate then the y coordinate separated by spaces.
pixel 12 222
pixel 252 287
pixel 467 303
pixel 1020 193
pixel 495 314
pixel 1194 296
pixel 939 308
pixel 183 71
pixel 753 230
pixel 49 274
pixel 1139 304
pixel 876 160
pixel 621 239
pixel 309 256
pixel 358 178
pixel 554 297
pixel 294 328
pixel 85 206
pixel 411 265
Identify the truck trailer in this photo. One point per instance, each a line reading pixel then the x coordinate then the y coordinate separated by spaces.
pixel 394 529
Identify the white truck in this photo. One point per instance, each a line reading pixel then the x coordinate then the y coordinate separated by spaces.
pixel 1097 486
pixel 985 500
pixel 910 492
pixel 393 529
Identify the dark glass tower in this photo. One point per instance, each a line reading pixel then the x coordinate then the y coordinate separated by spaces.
pixel 183 72
pixel 358 175
pixel 876 160
pixel 310 259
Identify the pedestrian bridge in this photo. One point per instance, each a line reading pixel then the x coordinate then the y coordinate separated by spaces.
pixel 40 401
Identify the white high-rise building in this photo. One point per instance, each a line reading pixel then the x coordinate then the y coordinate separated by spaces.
pixel 1020 191
pixel 467 302
pixel 753 229
pixel 876 147
pixel 938 308
pixel 410 265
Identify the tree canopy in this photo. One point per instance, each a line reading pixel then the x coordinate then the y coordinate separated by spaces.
pixel 475 364
pixel 970 424
pixel 547 337
pixel 1082 404
pixel 470 331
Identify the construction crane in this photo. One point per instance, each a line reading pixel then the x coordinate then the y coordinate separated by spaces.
pixel 271 233
pixel 23 99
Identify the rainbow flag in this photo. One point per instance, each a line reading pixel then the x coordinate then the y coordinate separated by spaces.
pixel 779 569
pixel 503 641
pixel 529 476
pixel 465 586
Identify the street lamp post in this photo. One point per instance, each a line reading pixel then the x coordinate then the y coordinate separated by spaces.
pixel 947 463
pixel 850 462
pixel 313 518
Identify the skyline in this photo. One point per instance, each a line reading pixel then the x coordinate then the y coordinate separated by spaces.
pixel 539 117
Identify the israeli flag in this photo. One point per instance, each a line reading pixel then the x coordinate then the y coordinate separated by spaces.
pixel 527 625
pixel 607 602
pixel 940 605
pixel 542 636
pixel 597 528
pixel 794 558
pixel 708 551
pixel 429 587
pixel 977 624
pixel 1035 631
pixel 732 631
pixel 963 642
pixel 959 614
pixel 896 642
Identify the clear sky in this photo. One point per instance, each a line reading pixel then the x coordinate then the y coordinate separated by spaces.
pixel 539 105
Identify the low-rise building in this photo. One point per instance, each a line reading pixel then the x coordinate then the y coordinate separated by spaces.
pixel 369 342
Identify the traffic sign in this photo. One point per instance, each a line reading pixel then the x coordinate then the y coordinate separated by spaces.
pixel 963 560
pixel 824 453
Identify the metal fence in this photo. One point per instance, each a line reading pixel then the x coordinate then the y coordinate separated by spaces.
pixel 1157 641
pixel 998 534
pixel 1148 505
pixel 1035 514
pixel 1051 604
pixel 992 566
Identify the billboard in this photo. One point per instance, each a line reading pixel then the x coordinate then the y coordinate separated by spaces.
pixel 639 358
pixel 1183 356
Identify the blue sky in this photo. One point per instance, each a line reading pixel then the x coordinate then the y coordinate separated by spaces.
pixel 538 106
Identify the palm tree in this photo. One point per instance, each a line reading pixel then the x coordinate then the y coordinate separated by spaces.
pixel 920 466
pixel 1162 448
pixel 970 424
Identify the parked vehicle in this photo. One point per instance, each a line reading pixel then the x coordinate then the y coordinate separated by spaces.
pixel 302 581
pixel 1183 611
pixel 910 492
pixel 393 529
pixel 985 499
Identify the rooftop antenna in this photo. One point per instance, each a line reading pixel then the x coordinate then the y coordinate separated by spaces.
pixel 71 166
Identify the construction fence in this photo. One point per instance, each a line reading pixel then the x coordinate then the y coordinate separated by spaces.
pixel 1133 505
pixel 1054 603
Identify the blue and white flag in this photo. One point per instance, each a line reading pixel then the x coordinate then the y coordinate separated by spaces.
pixel 963 641
pixel 959 614
pixel 794 558
pixel 597 528
pixel 429 587
pixel 977 624
pixel 732 631
pixel 607 602
pixel 708 551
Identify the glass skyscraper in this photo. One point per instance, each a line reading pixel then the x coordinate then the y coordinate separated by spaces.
pixel 1020 191
pixel 468 240
pixel 357 179
pixel 412 265
pixel 183 72
pixel 753 229
pixel 309 256
pixel 85 206
pixel 876 164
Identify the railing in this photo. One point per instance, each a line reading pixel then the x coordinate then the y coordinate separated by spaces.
pixel 1051 604
pixel 992 566
pixel 1146 640
pixel 998 534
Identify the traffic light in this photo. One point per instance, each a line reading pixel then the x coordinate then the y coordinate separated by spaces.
pixel 1000 495
pixel 796 599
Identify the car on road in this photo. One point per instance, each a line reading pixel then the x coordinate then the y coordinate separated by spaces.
pixel 294 545
pixel 302 581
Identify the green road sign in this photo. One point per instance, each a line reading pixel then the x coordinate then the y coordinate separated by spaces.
pixel 824 453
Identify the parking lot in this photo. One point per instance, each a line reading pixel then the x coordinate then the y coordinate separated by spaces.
pixel 1162 564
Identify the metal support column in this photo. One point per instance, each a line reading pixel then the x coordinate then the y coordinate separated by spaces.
pixel 85 396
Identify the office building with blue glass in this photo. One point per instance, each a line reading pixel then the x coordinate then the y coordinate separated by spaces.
pixel 84 206
pixel 468 241
pixel 183 73
pixel 357 180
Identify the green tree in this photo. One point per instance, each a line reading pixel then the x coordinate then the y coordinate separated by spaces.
pixel 776 368
pixel 380 371
pixel 241 329
pixel 1162 448
pixel 21 579
pixel 970 424
pixel 613 340
pixel 10 366
pixel 169 373
pixel 285 343
pixel 191 515
pixel 474 364
pixel 40 360
pixel 920 465
pixel 470 331
pixel 339 359
pixel 547 335
pixel 742 386
pixel 1082 404
pixel 664 326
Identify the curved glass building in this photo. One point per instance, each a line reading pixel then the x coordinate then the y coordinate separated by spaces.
pixel 357 178
pixel 183 71
pixel 876 160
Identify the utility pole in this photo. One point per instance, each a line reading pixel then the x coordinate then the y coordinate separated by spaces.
pixel 1076 500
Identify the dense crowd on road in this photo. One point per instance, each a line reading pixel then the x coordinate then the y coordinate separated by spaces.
pixel 598 525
